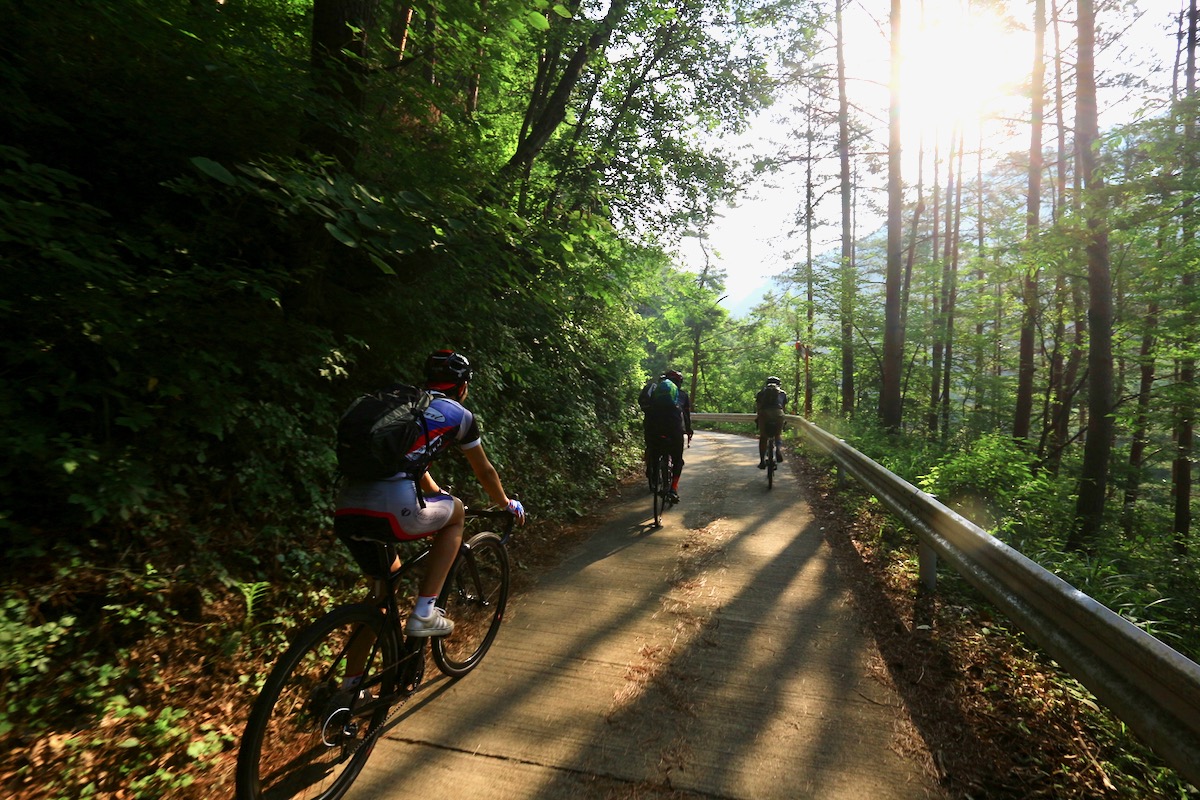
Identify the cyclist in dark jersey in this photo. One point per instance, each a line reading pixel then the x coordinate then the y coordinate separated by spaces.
pixel 769 404
pixel 398 509
pixel 671 419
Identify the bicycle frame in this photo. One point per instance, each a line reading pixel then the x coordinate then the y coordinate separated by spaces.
pixel 384 597
pixel 314 723
pixel 662 471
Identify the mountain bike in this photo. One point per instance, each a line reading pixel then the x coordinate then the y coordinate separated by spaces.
pixel 661 472
pixel 309 735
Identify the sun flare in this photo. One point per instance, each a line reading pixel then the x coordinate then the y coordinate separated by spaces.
pixel 959 64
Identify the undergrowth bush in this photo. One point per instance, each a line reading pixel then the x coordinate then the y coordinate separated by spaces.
pixel 995 483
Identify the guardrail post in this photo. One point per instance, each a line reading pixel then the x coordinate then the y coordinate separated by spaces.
pixel 927 565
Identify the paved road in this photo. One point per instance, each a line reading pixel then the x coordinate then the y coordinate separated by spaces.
pixel 717 657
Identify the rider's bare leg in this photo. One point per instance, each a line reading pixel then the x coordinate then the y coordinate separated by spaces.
pixel 437 567
pixel 441 555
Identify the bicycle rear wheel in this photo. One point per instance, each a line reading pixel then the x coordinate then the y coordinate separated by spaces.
pixel 770 469
pixel 474 597
pixel 308 738
pixel 662 487
pixel 658 498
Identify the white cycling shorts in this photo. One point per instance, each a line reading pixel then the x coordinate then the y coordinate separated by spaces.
pixel 396 502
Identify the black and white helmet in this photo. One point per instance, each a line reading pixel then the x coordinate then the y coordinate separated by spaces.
pixel 447 366
pixel 774 380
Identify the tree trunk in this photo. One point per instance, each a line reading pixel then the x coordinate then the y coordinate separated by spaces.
pixel 1060 103
pixel 941 318
pixel 910 258
pixel 429 53
pixel 1061 388
pixel 848 282
pixel 1054 435
pixel 1137 447
pixel 1093 479
pixel 951 292
pixel 399 29
pixel 980 276
pixel 890 409
pixel 1033 204
pixel 931 419
pixel 809 224
pixel 472 99
pixel 338 51
pixel 543 122
pixel 1185 411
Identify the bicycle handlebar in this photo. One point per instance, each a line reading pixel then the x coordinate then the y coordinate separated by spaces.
pixel 504 515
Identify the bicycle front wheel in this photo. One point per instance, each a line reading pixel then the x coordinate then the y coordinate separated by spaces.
pixel 474 597
pixel 307 737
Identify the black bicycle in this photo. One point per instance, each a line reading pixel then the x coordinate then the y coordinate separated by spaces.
pixel 660 478
pixel 308 735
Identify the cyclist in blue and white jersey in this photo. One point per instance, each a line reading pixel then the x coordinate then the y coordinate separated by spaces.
pixel 400 509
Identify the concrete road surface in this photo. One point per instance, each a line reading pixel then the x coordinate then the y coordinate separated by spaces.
pixel 717 656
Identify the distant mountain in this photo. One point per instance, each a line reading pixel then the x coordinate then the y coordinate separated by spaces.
pixel 742 307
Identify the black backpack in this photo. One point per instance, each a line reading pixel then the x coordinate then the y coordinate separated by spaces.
pixel 768 399
pixel 378 429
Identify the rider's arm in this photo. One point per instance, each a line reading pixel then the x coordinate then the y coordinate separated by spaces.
pixel 429 485
pixel 486 474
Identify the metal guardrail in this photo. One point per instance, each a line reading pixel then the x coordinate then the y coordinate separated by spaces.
pixel 1151 687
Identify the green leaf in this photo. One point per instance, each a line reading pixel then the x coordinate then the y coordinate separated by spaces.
pixel 214 170
pixel 383 265
pixel 562 11
pixel 538 21
pixel 340 235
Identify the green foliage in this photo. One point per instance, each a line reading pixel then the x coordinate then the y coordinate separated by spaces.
pixel 993 476
pixel 142 735
pixel 998 485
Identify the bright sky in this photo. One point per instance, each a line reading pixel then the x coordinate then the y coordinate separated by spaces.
pixel 987 58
